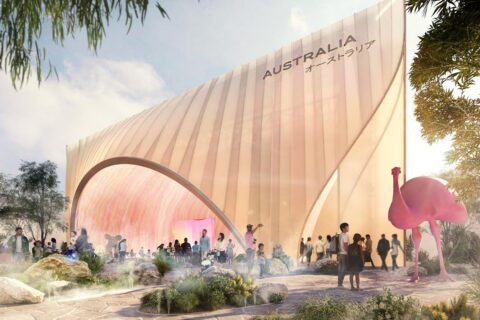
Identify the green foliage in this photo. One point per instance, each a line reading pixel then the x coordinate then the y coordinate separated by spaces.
pixel 324 309
pixel 240 258
pixel 446 64
pixel 186 302
pixel 472 287
pixel 276 298
pixel 34 202
pixel 459 244
pixel 22 23
pixel 458 309
pixel 194 292
pixel 409 248
pixel 94 262
pixel 163 263
pixel 278 253
pixel 432 265
pixel 214 300
pixel 390 306
pixel 270 316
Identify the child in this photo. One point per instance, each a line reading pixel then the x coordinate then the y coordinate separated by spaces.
pixel 355 261
pixel 261 259
pixel 230 247
pixel 37 251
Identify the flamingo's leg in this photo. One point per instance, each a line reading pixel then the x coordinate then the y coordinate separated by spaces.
pixel 436 234
pixel 417 238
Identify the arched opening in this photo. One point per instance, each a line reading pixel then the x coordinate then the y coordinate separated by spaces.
pixel 145 203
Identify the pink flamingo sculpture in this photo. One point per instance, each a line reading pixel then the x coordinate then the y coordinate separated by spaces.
pixel 424 199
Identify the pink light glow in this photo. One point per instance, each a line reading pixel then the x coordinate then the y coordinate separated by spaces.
pixel 143 206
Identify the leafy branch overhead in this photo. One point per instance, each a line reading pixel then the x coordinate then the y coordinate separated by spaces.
pixel 24 25
pixel 445 69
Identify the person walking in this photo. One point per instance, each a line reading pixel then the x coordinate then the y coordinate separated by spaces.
pixel 220 248
pixel 122 250
pixel 302 250
pixel 230 253
pixel 261 259
pixel 368 250
pixel 320 248
pixel 395 246
pixel 383 247
pixel 141 252
pixel 195 253
pixel 250 241
pixel 309 250
pixel 328 241
pixel 343 242
pixel 355 261
pixel 204 245
pixel 18 243
pixel 186 250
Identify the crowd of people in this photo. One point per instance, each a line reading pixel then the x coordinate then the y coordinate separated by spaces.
pixel 19 246
pixel 352 255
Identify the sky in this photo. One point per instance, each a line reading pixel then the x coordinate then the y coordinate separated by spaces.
pixel 162 58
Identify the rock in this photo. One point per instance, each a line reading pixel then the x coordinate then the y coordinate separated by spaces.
pixel 422 272
pixel 265 290
pixel 109 272
pixel 276 267
pixel 146 273
pixel 13 291
pixel 59 285
pixel 326 266
pixel 61 268
pixel 217 271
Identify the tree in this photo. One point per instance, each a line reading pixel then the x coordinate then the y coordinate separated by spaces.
pixel 36 205
pixel 445 66
pixel 22 24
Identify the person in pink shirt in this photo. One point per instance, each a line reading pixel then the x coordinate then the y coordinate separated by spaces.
pixel 250 241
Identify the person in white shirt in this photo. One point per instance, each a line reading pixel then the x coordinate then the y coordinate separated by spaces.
pixel 220 248
pixel 395 246
pixel 343 243
pixel 320 248
pixel 122 250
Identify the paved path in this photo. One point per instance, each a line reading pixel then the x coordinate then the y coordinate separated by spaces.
pixel 301 287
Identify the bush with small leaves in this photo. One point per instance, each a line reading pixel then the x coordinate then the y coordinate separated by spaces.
pixel 390 306
pixel 457 309
pixel 323 309
pixel 276 298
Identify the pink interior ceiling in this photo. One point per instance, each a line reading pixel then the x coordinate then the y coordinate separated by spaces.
pixel 143 206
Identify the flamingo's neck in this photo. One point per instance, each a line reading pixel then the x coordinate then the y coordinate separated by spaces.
pixel 400 208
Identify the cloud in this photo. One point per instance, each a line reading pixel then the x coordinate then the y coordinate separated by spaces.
pixel 36 123
pixel 298 21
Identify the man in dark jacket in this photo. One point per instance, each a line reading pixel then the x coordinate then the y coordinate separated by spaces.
pixel 382 248
pixel 18 243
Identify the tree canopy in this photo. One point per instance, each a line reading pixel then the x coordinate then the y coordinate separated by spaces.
pixel 446 65
pixel 23 24
pixel 33 201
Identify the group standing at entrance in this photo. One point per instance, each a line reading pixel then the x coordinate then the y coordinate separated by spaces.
pixel 351 256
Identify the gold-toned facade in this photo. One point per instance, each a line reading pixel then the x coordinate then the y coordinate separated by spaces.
pixel 299 140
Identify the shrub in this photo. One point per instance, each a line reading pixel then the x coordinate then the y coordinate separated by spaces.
pixel 324 309
pixel 163 263
pixel 473 287
pixel 270 316
pixel 186 302
pixel 390 306
pixel 94 262
pixel 238 300
pixel 276 298
pixel 190 283
pixel 278 253
pixel 327 266
pixel 214 300
pixel 240 258
pixel 430 264
pixel 457 309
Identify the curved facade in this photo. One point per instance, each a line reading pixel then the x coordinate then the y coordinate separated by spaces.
pixel 300 140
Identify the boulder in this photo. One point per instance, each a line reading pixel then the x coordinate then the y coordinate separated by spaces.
pixel 277 267
pixel 59 285
pixel 326 266
pixel 422 272
pixel 265 290
pixel 146 273
pixel 13 291
pixel 217 271
pixel 61 268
